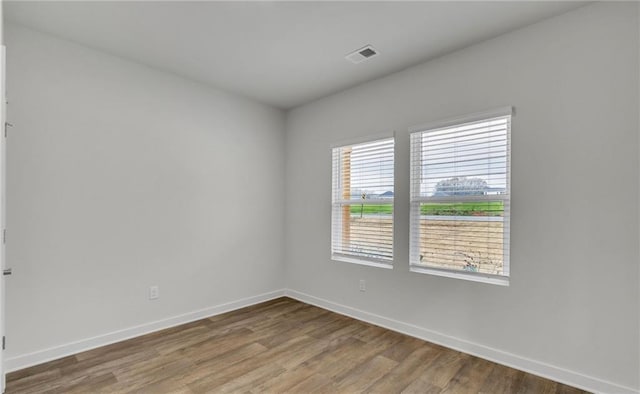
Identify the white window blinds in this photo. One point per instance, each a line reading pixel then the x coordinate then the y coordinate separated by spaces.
pixel 362 202
pixel 460 176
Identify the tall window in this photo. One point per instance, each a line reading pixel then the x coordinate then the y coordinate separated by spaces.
pixel 362 203
pixel 460 175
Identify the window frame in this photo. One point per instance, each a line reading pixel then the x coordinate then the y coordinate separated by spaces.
pixel 336 173
pixel 414 214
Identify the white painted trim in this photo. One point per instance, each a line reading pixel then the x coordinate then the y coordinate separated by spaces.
pixel 465 275
pixel 42 356
pixel 363 139
pixel 462 119
pixel 545 370
pixel 3 201
pixel 362 261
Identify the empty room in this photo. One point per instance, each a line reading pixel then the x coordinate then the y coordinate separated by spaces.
pixel 320 197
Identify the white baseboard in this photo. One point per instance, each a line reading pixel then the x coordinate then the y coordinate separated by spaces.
pixel 42 356
pixel 501 357
pixel 498 356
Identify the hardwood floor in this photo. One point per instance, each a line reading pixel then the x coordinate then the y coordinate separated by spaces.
pixel 278 346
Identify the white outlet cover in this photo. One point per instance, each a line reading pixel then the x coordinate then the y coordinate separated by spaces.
pixel 154 292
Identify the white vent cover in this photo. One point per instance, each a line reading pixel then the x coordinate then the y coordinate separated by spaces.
pixel 362 54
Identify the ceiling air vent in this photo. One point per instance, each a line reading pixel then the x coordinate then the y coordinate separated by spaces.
pixel 362 54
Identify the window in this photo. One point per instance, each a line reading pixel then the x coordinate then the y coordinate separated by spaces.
pixel 362 203
pixel 460 183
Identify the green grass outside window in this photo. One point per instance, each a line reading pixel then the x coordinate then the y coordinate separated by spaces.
pixel 481 208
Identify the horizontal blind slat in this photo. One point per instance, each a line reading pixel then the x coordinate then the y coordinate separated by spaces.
pixel 363 228
pixel 450 167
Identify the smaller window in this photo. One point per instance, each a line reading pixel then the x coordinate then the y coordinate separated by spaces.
pixel 362 203
pixel 460 198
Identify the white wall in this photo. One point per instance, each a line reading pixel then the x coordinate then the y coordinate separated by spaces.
pixel 121 177
pixel 573 299
pixel 2 194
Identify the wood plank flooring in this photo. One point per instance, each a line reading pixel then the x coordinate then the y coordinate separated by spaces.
pixel 278 346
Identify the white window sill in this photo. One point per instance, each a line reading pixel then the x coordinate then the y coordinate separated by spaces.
pixel 472 276
pixel 354 260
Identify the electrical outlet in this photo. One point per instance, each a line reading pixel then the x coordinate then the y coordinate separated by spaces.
pixel 363 285
pixel 154 292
